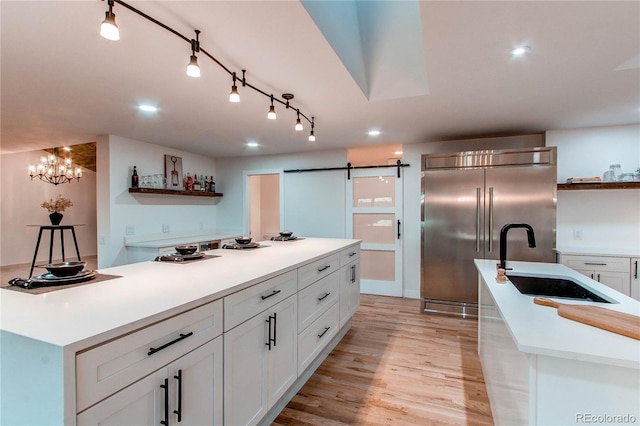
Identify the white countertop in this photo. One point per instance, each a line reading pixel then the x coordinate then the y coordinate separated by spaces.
pixel 540 330
pixel 150 291
pixel 598 251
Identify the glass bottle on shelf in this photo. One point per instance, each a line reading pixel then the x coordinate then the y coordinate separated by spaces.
pixel 212 185
pixel 196 183
pixel 135 179
pixel 189 182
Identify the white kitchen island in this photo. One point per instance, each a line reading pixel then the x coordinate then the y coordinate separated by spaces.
pixel 150 346
pixel 543 369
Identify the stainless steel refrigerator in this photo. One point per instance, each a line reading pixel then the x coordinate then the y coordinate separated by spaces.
pixel 467 198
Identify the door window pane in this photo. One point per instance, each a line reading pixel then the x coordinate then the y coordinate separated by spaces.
pixel 378 265
pixel 374 191
pixel 374 228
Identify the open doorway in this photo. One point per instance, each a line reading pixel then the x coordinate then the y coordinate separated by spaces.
pixel 263 205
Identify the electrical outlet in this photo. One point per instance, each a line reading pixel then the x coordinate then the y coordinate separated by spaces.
pixel 577 234
pixel 129 230
pixel 165 227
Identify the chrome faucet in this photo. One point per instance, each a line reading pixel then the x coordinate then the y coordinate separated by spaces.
pixel 503 240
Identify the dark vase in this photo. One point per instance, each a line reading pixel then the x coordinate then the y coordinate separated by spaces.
pixel 55 218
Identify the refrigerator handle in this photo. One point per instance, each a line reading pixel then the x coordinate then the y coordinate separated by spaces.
pixel 478 195
pixel 491 219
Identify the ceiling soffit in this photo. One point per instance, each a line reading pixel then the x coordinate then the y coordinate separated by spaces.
pixel 379 43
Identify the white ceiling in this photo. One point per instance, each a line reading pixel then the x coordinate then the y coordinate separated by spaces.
pixel 63 84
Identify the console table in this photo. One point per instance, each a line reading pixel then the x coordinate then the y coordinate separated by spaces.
pixel 52 229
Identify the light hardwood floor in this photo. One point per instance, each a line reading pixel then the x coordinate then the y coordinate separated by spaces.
pixel 396 366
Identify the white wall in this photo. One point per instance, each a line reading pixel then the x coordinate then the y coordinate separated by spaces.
pixel 20 205
pixel 606 219
pixel 144 213
pixel 313 203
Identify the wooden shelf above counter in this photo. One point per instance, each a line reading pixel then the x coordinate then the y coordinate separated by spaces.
pixel 172 192
pixel 602 185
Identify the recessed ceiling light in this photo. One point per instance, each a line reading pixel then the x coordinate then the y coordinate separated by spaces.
pixel 398 153
pixel 519 51
pixel 148 108
pixel 374 133
pixel 253 144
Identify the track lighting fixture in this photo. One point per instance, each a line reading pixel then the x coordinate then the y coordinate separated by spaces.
pixel 193 70
pixel 234 96
pixel 109 29
pixel 298 123
pixel 271 115
pixel 312 136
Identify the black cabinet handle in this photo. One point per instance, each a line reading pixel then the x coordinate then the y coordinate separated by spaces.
pixel 398 228
pixel 324 332
pixel 635 274
pixel 165 386
pixel 353 253
pixel 353 274
pixel 324 297
pixel 324 268
pixel 272 330
pixel 178 412
pixel 182 337
pixel 271 295
pixel 595 263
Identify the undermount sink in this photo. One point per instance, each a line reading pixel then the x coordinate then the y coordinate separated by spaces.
pixel 554 287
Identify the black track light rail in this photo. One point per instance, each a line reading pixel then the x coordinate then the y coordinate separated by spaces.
pixel 210 56
pixel 399 165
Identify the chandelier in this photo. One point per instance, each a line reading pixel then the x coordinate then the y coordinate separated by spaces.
pixel 110 31
pixel 55 170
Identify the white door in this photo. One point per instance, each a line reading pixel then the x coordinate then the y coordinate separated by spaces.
pixel 374 212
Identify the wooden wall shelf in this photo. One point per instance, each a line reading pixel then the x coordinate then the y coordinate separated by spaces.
pixel 603 185
pixel 171 192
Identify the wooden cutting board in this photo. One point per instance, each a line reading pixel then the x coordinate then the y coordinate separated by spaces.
pixel 607 319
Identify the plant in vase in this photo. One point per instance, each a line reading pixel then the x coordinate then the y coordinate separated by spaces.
pixel 56 207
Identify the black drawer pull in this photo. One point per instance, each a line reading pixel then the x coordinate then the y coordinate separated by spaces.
pixel 324 332
pixel 270 295
pixel 324 268
pixel 353 253
pixel 324 297
pixel 182 337
pixel 595 263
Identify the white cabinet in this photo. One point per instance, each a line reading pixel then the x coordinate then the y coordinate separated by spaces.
pixel 260 362
pixel 635 278
pixel 612 271
pixel 187 391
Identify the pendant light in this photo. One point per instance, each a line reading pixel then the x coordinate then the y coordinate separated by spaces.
pixel 109 29
pixel 193 70
pixel 271 115
pixel 298 123
pixel 234 96
pixel 312 136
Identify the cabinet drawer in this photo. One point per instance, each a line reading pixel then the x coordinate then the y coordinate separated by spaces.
pixel 109 367
pixel 240 306
pixel 349 255
pixel 316 337
pixel 597 263
pixel 312 272
pixel 314 300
